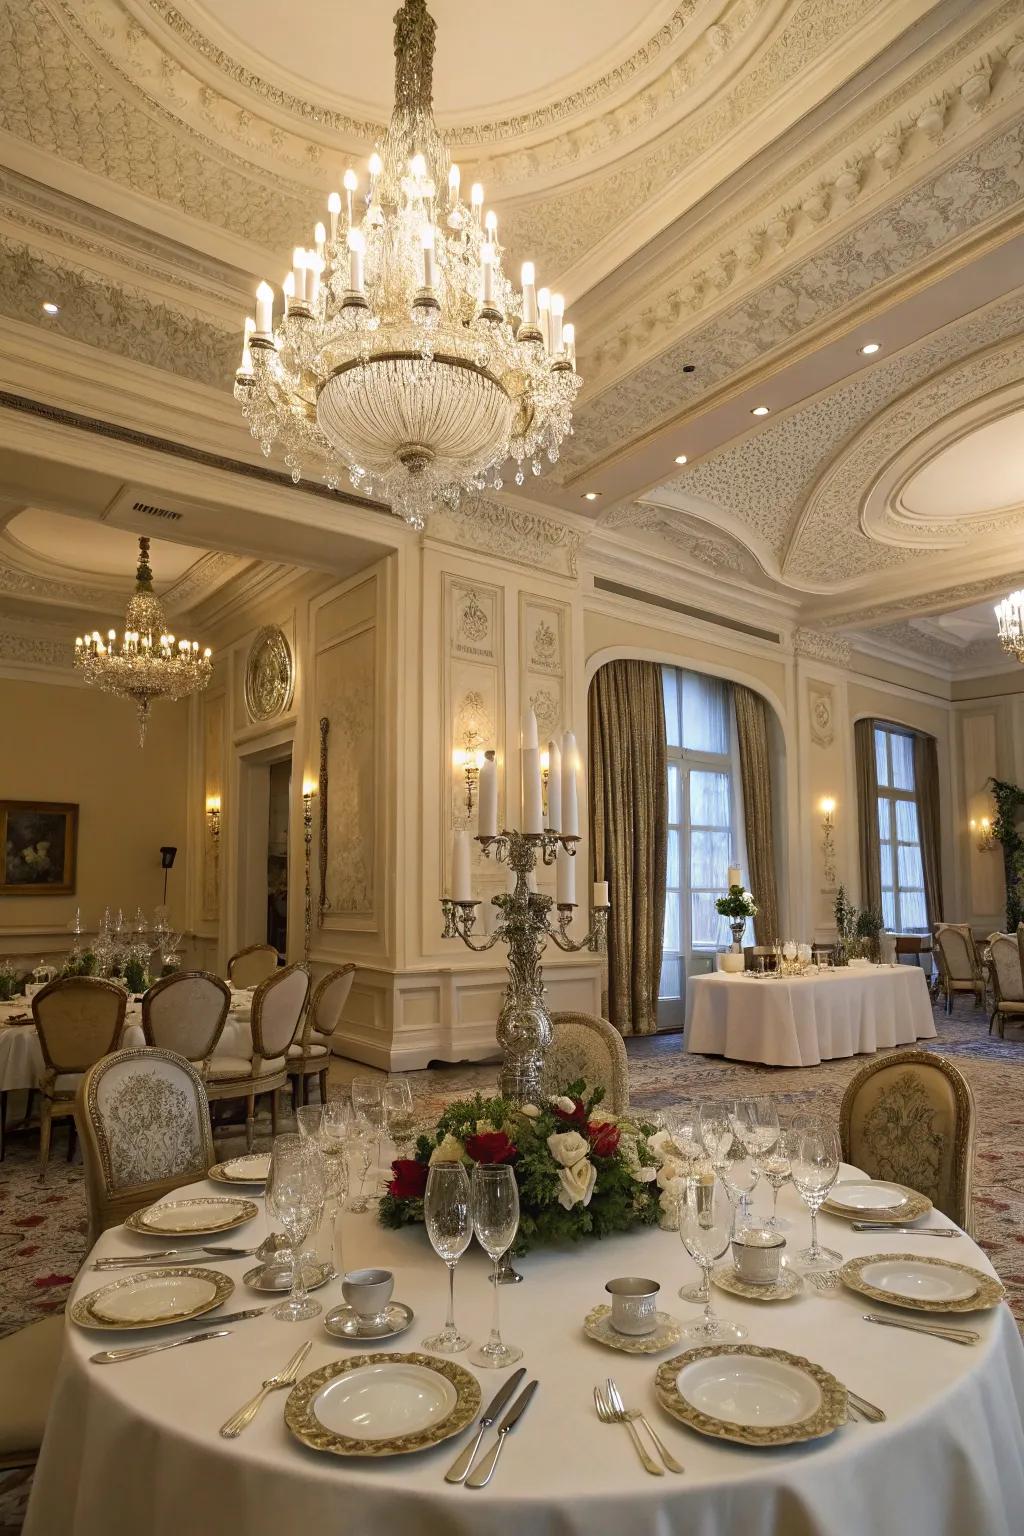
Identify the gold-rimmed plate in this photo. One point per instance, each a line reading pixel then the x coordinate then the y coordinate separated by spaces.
pixel 597 1325
pixel 788 1285
pixel 382 1404
pixel 876 1200
pixel 253 1168
pixel 921 1283
pixel 198 1216
pixel 751 1395
pixel 152 1299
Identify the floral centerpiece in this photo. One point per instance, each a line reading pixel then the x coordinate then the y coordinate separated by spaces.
pixel 581 1171
pixel 738 905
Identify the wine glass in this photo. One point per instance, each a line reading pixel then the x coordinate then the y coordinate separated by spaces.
pixel 398 1112
pixel 361 1143
pixel 308 1119
pixel 449 1221
pixel 333 1139
pixel 495 1210
pixel 295 1194
pixel 705 1227
pixel 777 1170
pixel 756 1122
pixel 729 1158
pixel 814 1163
pixel 368 1110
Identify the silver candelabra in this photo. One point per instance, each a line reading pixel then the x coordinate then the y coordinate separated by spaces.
pixel 524 1024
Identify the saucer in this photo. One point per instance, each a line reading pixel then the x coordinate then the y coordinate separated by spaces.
pixel 344 1322
pixel 278 1277
pixel 789 1284
pixel 597 1325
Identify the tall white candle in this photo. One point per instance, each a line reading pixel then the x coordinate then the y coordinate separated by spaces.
pixel 570 792
pixel 487 273
pixel 299 274
pixel 334 209
pixel 530 736
pixel 529 294
pixel 533 803
pixel 462 884
pixel 601 893
pixel 356 247
pixel 735 877
pixel 350 182
pixel 544 315
pixel 557 311
pixel 487 816
pixel 264 309
pixel 565 879
pixel 288 289
pixel 554 787
pixel 427 243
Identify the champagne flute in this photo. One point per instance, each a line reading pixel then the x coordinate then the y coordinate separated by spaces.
pixel 295 1193
pixel 398 1112
pixel 815 1167
pixel 705 1226
pixel 368 1109
pixel 334 1134
pixel 449 1222
pixel 495 1210
pixel 777 1169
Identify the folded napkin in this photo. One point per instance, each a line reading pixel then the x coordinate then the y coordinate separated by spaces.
pixel 19 1018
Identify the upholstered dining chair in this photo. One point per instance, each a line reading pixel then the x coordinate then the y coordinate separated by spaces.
pixel 78 1020
pixel 910 1118
pixel 144 1123
pixel 252 965
pixel 185 1013
pixel 1006 972
pixel 310 1055
pixel 583 1045
pixel 277 1005
pixel 28 1370
pixel 959 963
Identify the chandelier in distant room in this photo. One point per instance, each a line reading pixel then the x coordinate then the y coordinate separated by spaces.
pixel 404 355
pixel 149 663
pixel 1010 619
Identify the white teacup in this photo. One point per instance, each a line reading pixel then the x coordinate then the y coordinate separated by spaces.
pixel 634 1304
pixel 757 1255
pixel 368 1292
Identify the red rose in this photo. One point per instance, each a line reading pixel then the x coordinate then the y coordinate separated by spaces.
pixel 577 1117
pixel 490 1147
pixel 410 1179
pixel 604 1139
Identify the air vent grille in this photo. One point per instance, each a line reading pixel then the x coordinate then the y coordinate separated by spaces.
pixel 655 601
pixel 165 512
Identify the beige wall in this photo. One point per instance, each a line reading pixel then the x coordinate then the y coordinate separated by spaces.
pixel 72 744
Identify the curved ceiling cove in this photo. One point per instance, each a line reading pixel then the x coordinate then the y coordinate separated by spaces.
pixel 982 472
pixel 85 547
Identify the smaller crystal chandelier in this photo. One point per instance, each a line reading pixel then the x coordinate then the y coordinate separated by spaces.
pixel 149 663
pixel 1010 618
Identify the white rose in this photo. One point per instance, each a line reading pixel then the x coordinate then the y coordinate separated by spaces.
pixel 644 1175
pixel 568 1147
pixel 669 1173
pixel 661 1144
pixel 669 1200
pixel 577 1184
pixel 560 1101
pixel 450 1150
pixel 530 1111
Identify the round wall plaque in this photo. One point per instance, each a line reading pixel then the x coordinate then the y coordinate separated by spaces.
pixel 269 675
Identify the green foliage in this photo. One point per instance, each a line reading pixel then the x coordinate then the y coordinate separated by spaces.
pixel 1009 803
pixel 81 964
pixel 739 903
pixel 8 981
pixel 135 976
pixel 845 915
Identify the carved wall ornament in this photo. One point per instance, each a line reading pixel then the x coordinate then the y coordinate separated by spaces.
pixel 269 674
pixel 544 647
pixel 514 534
pixel 822 725
pixel 546 705
pixel 473 623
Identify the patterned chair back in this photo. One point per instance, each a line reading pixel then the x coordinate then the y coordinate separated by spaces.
pixel 910 1118
pixel 144 1123
pixel 329 999
pixel 591 1048
pixel 277 1006
pixel 1005 949
pixel 250 966
pixel 958 952
pixel 185 1013
pixel 78 1020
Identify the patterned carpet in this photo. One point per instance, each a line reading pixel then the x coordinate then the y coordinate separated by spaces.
pixel 42 1228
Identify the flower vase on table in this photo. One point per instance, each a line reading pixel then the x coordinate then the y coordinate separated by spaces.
pixel 737 905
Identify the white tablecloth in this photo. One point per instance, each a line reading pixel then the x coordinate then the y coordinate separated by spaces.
pixel 803 1020
pixel 134 1447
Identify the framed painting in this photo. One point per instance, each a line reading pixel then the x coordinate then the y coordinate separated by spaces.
pixel 40 844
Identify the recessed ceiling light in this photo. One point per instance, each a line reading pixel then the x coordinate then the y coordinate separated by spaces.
pixel 49 308
pixel 871 347
pixel 591 495
pixel 680 458
pixel 760 410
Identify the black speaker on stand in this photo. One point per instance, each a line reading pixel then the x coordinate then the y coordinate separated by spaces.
pixel 167 864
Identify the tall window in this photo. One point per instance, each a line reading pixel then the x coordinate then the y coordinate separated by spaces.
pixel 705 824
pixel 904 909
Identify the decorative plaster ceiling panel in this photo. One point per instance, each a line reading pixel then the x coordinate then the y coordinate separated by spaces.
pixel 85 547
pixel 690 538
pixel 980 472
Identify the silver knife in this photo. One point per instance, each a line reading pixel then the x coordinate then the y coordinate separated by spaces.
pixel 231 1317
pixel 459 1469
pixel 881 1226
pixel 482 1476
pixel 937 1331
pixel 116 1261
pixel 111 1356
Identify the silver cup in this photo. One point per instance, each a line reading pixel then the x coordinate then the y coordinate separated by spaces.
pixel 757 1255
pixel 634 1304
pixel 368 1292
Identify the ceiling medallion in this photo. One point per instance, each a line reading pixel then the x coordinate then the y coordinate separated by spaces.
pixel 404 354
pixel 269 675
pixel 1010 619
pixel 150 664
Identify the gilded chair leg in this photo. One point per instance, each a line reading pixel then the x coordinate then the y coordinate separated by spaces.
pixel 323 1085
pixel 250 1121
pixel 45 1130
pixel 274 1110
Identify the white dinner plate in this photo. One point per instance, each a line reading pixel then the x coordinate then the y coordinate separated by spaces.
pixel 166 1297
pixel 252 1169
pixel 215 1213
pixel 871 1195
pixel 755 1393
pixel 910 1278
pixel 382 1402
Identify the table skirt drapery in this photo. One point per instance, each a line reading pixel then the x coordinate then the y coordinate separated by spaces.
pixel 804 1020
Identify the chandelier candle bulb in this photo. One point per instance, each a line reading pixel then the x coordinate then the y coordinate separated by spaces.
pixel 356 247
pixel 334 210
pixel 569 342
pixel 487 273
pixel 554 787
pixel 491 226
pixel 427 241
pixel 248 332
pixel 487 805
pixel 557 312
pixel 349 181
pixel 476 198
pixel 601 898
pixel 288 289
pixel 265 309
pixel 453 185
pixel 544 316
pixel 462 883
pixel 565 879
pixel 299 274
pixel 529 294
pixel 319 239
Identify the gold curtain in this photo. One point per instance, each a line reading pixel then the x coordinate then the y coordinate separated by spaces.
pixel 867 814
pixel 756 779
pixel 926 778
pixel 629 832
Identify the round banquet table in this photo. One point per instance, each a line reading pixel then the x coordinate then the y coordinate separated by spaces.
pixel 134 1446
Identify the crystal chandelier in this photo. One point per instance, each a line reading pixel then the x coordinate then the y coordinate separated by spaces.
pixel 404 355
pixel 149 663
pixel 1010 618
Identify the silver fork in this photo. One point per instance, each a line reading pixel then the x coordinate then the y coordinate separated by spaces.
pixel 827 1280
pixel 607 1414
pixel 286 1378
pixel 634 1415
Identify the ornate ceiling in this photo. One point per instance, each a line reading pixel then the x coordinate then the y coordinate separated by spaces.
pixel 735 195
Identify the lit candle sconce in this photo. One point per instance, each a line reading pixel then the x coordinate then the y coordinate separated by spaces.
pixel 308 791
pixel 469 760
pixel 213 817
pixel 982 830
pixel 828 846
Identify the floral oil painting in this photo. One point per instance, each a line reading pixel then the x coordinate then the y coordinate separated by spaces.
pixel 40 842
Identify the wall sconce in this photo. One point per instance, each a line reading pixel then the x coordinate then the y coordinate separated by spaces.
pixel 828 846
pixel 470 760
pixel 982 830
pixel 308 791
pixel 213 816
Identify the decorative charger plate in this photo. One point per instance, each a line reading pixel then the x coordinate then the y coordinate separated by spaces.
pixel 152 1299
pixel 788 1285
pixel 924 1284
pixel 597 1325
pixel 775 1398
pixel 254 1168
pixel 871 1200
pixel 200 1215
pixel 382 1404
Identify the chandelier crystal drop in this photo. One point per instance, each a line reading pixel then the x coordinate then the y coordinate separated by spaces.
pixel 1010 619
pixel 149 663
pixel 404 356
